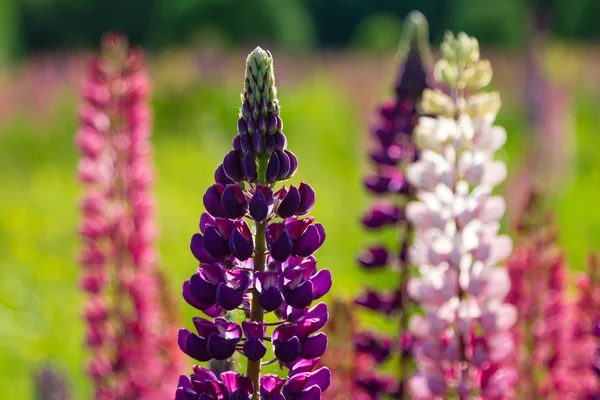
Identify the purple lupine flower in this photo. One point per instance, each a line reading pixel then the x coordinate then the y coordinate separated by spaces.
pixel 461 343
pixel 392 151
pixel 252 262
pixel 119 259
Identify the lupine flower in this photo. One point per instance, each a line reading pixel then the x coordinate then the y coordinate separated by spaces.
pixel 119 261
pixel 253 262
pixel 461 342
pixel 554 338
pixel 393 150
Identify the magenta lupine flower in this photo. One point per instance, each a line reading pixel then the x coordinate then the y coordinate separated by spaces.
pixel 255 248
pixel 119 261
pixel 392 151
pixel 461 343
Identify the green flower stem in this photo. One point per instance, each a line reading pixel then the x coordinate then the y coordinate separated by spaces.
pixel 260 258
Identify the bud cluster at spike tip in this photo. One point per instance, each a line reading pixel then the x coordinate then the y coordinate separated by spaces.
pixel 393 150
pixel 255 251
pixel 118 259
pixel 463 346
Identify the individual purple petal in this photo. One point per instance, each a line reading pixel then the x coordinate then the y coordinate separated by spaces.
pixel 232 165
pixel 198 250
pixel 206 220
pixel 269 144
pixel 228 298
pixel 254 349
pixel 296 227
pixel 271 123
pixel 270 387
pixel 308 243
pixel 246 143
pixel 240 387
pixel 193 345
pixel 382 214
pixel 314 346
pixel 301 366
pixel 234 202
pixel 219 348
pixel 290 203
pixel 249 167
pixel 301 296
pixel 258 143
pixel 189 298
pixel 279 242
pixel 313 320
pixel 221 177
pixel 280 141
pixel 375 257
pixel 240 247
pixel 270 299
pixel 212 200
pixel 307 198
pixel 293 163
pixel 261 204
pixel 203 291
pixel 289 350
pixel 320 378
pixel 214 243
pixel 235 143
pixel 284 165
pixel 272 168
pixel 242 127
pixel 322 283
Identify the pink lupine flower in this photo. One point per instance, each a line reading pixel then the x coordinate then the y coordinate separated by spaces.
pixel 119 260
pixel 461 345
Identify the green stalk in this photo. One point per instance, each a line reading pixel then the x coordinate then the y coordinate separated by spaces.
pixel 260 258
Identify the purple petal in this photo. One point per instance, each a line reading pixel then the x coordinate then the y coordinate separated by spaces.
pixel 320 378
pixel 269 144
pixel 187 296
pixel 290 279
pixel 203 291
pixel 290 203
pixel 259 209
pixel 240 247
pixel 303 366
pixel 234 202
pixel 258 142
pixel 219 348
pixel 242 127
pixel 308 243
pixel 192 345
pixel 212 200
pixel 199 251
pixel 307 198
pixel 254 329
pixel 287 351
pixel 302 296
pixel 293 163
pixel 185 394
pixel 221 177
pixel 314 346
pixel 232 165
pixel 272 168
pixel 296 227
pixel 282 248
pixel 284 165
pixel 229 298
pixel 322 282
pixel 214 243
pixel 254 349
pixel 249 165
pixel 270 299
pixel 246 143
pixel 280 141
pixel 313 320
pixel 374 257
pixel 270 386
pixel 206 220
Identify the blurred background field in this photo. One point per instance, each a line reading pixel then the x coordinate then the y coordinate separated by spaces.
pixel 334 62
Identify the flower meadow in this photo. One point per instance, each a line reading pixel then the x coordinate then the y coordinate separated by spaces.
pixel 312 240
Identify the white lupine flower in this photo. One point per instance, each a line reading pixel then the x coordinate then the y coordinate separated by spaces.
pixel 457 247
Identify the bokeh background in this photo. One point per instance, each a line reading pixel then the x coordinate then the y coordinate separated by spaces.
pixel 334 61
